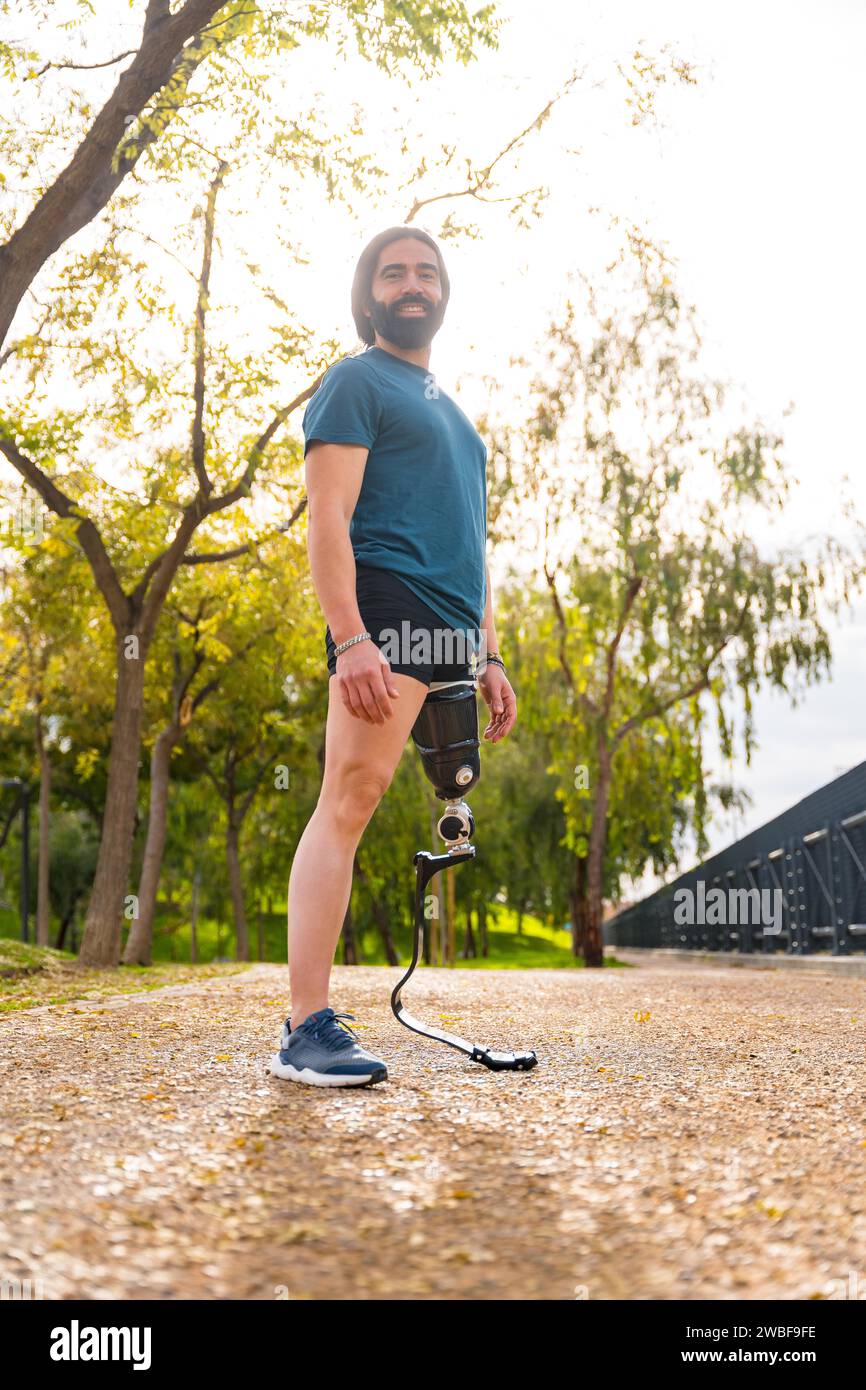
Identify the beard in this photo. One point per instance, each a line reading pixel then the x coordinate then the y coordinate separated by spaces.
pixel 406 330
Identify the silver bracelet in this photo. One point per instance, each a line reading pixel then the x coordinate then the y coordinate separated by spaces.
pixel 362 637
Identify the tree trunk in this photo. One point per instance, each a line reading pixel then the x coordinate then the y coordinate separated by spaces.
pixel 436 922
pixel 242 951
pixel 350 945
pixel 469 939
pixel 436 925
pixel 427 934
pixel 100 944
pixel 61 935
pixel 43 898
pixel 482 928
pixel 380 917
pixel 140 941
pixel 193 920
pixel 577 905
pixel 451 893
pixel 593 949
pixel 261 931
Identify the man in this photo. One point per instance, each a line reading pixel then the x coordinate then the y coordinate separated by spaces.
pixel 396 486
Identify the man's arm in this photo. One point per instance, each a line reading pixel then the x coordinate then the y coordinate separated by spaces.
pixel 492 680
pixel 334 473
pixel 488 625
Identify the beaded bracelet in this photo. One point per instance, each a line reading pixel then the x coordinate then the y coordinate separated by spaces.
pixel 495 659
pixel 361 637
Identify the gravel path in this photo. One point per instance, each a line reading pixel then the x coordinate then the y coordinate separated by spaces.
pixel 689 1132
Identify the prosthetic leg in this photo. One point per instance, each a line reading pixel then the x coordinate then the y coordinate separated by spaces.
pixel 446 735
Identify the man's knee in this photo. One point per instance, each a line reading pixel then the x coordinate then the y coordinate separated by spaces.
pixel 355 794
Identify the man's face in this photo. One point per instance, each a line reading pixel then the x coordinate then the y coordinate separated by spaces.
pixel 406 294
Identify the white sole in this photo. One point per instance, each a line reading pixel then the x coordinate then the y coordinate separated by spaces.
pixel 308 1077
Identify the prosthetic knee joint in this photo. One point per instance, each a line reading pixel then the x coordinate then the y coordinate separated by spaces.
pixel 446 735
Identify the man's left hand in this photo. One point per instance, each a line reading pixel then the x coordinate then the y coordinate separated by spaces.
pixel 497 692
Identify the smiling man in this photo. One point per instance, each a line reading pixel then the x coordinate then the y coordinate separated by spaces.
pixel 396 486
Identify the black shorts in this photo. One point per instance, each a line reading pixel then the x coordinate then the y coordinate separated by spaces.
pixel 385 602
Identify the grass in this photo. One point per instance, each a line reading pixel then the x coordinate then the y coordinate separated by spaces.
pixel 35 975
pixel 536 947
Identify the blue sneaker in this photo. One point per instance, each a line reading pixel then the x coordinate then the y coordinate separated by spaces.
pixel 324 1052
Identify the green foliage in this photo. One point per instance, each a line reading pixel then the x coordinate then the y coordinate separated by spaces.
pixel 655 594
pixel 654 600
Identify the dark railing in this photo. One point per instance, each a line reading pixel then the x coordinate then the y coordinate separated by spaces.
pixel 814 854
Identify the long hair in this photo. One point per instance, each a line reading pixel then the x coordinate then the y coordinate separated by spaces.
pixel 364 271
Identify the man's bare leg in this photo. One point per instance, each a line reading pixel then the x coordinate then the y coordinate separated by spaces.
pixel 360 761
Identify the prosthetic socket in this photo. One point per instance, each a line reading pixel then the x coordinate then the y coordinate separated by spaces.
pixel 446 735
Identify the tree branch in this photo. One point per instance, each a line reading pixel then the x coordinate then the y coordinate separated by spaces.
pixel 22 342
pixel 589 705
pixel 165 564
pixel 82 67
pixel 215 556
pixel 91 542
pixel 205 485
pixel 480 178
pixel 642 716
pixel 247 801
pixel 659 708
pixel 244 483
pixel 634 587
pixel 157 10
pixel 108 152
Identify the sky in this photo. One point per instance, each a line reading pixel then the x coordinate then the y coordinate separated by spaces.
pixel 751 179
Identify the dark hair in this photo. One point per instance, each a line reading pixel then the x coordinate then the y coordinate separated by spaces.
pixel 365 269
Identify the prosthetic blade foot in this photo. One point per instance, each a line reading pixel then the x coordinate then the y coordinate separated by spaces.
pixel 446 735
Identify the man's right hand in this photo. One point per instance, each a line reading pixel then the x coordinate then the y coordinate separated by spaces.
pixel 366 682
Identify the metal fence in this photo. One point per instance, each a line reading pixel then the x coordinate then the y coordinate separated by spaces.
pixel 813 854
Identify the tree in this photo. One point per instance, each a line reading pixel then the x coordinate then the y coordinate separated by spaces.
pixel 251 735
pixel 661 596
pixel 171 136
pixel 38 671
pixel 158 88
pixel 94 261
pixel 225 622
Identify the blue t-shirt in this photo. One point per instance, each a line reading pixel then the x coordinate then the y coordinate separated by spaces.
pixel 422 508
